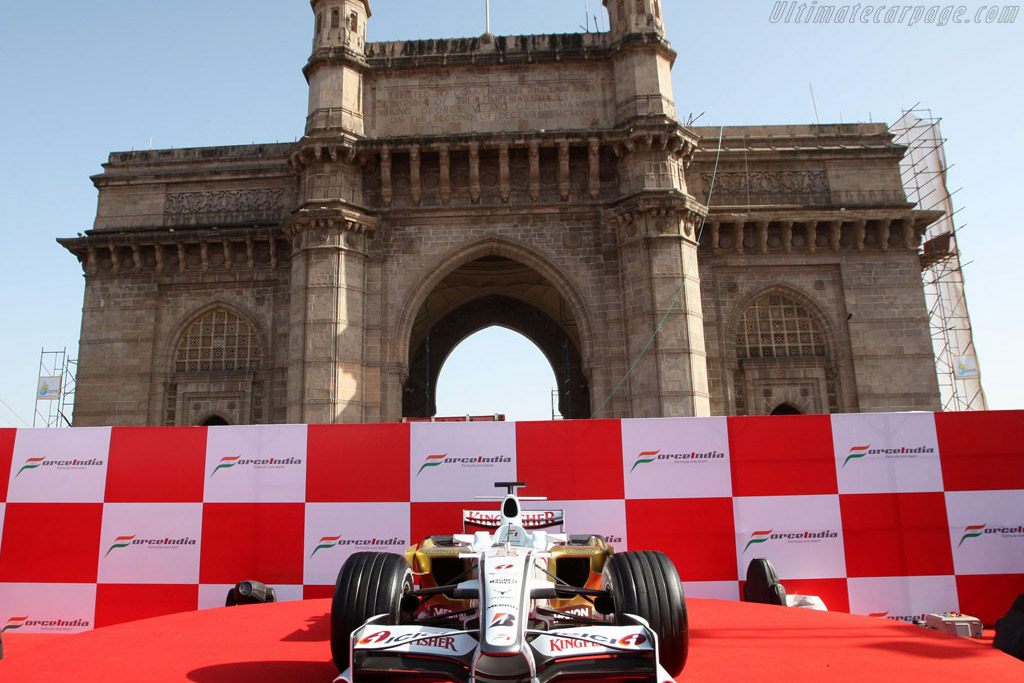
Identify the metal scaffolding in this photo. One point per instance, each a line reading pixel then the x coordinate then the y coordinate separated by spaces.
pixel 923 169
pixel 55 390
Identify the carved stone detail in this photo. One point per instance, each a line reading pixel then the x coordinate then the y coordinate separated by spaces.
pixel 765 186
pixel 223 201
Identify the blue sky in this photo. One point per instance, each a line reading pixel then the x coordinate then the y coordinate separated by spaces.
pixel 83 79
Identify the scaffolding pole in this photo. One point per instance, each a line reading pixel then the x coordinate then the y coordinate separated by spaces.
pixel 55 389
pixel 923 171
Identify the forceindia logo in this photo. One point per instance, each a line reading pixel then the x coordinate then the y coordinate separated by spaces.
pixel 73 464
pixel 647 457
pixel 908 618
pixel 789 537
pixel 122 542
pixel 14 623
pixel 464 461
pixel 978 530
pixel 257 463
pixel 896 452
pixel 44 624
pixel 327 542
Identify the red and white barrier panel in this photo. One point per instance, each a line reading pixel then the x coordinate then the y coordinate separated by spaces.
pixel 894 515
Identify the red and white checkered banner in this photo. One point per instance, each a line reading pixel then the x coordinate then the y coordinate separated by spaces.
pixel 893 515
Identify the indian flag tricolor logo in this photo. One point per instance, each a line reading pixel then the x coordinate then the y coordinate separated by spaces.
pixel 644 458
pixel 972 531
pixel 229 461
pixel 121 542
pixel 30 464
pixel 432 461
pixel 13 623
pixel 325 542
pixel 758 537
pixel 857 452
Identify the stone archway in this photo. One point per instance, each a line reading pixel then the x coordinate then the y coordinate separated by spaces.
pixel 494 290
pixel 215 369
pixel 784 352
pixel 786 409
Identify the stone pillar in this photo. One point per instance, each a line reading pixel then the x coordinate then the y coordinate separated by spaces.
pixel 503 172
pixel 563 169
pixel 594 174
pixel 883 233
pixel 326 365
pixel 385 176
pixel 534 170
pixel 444 160
pixel 661 286
pixel 474 172
pixel 414 175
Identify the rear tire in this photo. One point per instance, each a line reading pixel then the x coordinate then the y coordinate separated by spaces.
pixel 368 584
pixel 646 583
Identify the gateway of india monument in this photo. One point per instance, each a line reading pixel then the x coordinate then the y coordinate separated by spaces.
pixel 543 183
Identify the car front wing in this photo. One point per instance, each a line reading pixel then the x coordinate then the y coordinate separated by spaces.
pixel 594 652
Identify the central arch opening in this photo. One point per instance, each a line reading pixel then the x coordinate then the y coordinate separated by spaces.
pixel 494 291
pixel 476 380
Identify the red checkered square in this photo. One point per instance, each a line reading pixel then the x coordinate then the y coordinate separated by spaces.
pixel 981 451
pixel 697 533
pixel 118 603
pixel 570 460
pixel 357 463
pixel 896 534
pixel 261 541
pixel 6 453
pixel 51 542
pixel 988 597
pixel 156 465
pixel 317 592
pixel 441 519
pixel 782 455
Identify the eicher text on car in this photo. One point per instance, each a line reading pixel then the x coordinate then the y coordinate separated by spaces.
pixel 509 600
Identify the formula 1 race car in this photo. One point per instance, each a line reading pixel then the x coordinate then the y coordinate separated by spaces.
pixel 508 601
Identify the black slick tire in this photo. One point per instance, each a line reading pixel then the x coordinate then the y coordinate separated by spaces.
pixel 368 584
pixel 646 583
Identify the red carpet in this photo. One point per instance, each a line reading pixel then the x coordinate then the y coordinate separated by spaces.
pixel 287 642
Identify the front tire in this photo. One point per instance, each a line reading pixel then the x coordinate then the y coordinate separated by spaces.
pixel 368 584
pixel 646 583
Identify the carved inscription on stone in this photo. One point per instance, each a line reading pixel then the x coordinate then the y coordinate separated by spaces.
pixel 400 107
pixel 763 186
pixel 223 201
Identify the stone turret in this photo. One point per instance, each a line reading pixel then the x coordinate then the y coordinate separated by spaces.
pixel 634 17
pixel 643 63
pixel 335 68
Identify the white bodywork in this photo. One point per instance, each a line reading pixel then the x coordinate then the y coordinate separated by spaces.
pixel 510 583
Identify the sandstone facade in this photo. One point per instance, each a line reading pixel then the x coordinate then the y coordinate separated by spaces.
pixel 542 183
